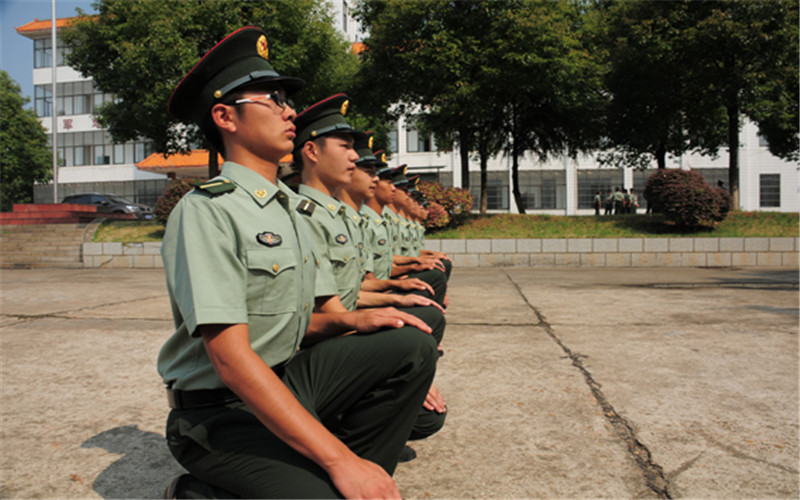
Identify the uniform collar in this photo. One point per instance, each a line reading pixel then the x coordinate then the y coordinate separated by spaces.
pixel 368 213
pixel 331 205
pixel 260 189
pixel 351 213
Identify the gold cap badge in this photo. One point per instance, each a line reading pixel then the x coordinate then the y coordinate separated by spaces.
pixel 383 158
pixel 369 144
pixel 262 46
pixel 343 109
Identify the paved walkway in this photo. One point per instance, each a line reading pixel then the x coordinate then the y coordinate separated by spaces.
pixel 561 383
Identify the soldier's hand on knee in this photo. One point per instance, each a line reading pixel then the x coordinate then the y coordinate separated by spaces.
pixel 416 300
pixel 373 320
pixel 413 284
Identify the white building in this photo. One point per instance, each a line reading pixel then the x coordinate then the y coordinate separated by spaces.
pixel 89 160
pixel 565 186
pixel 92 162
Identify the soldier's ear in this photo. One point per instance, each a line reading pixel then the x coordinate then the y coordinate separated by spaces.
pixel 311 150
pixel 224 117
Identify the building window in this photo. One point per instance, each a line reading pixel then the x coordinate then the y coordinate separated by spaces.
pixel 496 190
pixel 392 136
pixel 417 143
pixel 96 148
pixel 769 190
pixel 592 181
pixel 544 189
pixel 42 53
pixel 74 98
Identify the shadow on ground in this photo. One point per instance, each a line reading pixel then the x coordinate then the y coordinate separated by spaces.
pixel 143 471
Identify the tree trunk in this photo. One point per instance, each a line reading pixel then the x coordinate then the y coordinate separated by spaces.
pixel 213 162
pixel 661 156
pixel 733 152
pixel 463 147
pixel 484 190
pixel 515 179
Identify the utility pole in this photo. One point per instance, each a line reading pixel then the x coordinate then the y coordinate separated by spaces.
pixel 54 122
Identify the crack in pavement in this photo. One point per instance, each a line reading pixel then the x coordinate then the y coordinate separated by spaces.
pixel 653 473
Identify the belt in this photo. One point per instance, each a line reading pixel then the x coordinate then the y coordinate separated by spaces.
pixel 187 400
pixel 203 398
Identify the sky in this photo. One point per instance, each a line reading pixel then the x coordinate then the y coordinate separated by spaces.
pixel 16 51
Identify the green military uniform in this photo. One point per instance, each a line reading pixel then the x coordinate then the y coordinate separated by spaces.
pixel 247 272
pixel 339 257
pixel 378 238
pixel 236 251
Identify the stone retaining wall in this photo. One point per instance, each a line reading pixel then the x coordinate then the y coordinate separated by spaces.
pixel 571 252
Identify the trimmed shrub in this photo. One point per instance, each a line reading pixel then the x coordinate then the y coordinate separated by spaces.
pixel 685 199
pixel 171 196
pixel 437 216
pixel 456 202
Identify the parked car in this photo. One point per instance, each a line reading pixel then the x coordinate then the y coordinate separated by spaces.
pixel 111 203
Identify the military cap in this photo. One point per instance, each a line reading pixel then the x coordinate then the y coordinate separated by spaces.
pixel 323 118
pixel 399 176
pixel 363 146
pixel 384 170
pixel 239 60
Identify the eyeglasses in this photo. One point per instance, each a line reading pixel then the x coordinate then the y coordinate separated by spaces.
pixel 276 97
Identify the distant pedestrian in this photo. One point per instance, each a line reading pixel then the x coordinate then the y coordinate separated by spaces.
pixel 598 201
pixel 634 202
pixel 619 201
pixel 609 202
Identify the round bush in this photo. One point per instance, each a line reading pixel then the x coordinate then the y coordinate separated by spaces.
pixel 437 216
pixel 171 196
pixel 685 199
pixel 455 201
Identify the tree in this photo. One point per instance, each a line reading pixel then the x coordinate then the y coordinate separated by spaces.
pixel 547 81
pixel 488 75
pixel 25 157
pixel 653 109
pixel 140 50
pixel 746 52
pixel 683 73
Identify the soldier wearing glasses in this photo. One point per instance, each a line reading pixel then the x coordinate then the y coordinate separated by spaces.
pixel 265 398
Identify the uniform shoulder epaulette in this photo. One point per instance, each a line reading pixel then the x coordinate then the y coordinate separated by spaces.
pixel 306 207
pixel 215 187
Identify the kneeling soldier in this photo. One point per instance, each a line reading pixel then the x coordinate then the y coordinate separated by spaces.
pixel 269 400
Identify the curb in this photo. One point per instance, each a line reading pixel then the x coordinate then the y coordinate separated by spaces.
pixel 568 252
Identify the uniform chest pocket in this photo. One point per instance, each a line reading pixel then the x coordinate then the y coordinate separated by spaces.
pixel 272 281
pixel 342 256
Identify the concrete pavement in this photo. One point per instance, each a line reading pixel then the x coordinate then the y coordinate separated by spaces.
pixel 560 383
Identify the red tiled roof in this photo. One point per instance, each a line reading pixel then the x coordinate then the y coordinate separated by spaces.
pixel 358 48
pixel 196 158
pixel 45 25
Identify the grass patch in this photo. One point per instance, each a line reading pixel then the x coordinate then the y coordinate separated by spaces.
pixel 128 231
pixel 736 225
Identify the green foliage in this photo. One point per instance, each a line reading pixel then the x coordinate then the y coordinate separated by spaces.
pixel 681 74
pixel 140 50
pixel 455 203
pixel 685 200
pixel 484 71
pixel 171 196
pixel 25 157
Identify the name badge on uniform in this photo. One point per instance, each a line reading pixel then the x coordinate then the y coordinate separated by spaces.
pixel 269 239
pixel 341 239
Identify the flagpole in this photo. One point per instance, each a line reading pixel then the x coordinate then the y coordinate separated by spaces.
pixel 54 126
